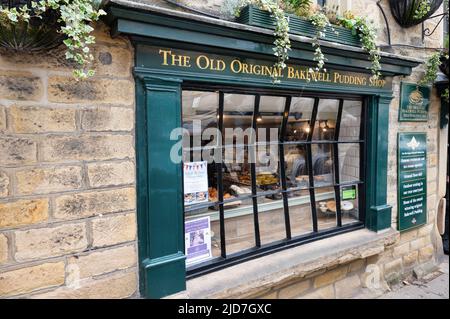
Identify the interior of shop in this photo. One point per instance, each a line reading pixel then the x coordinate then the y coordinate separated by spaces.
pixel 256 180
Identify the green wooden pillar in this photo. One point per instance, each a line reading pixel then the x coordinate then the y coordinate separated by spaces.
pixel 160 206
pixel 378 216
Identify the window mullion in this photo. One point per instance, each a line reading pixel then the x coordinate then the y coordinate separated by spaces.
pixel 219 169
pixel 337 192
pixel 362 160
pixel 283 167
pixel 309 164
pixel 252 157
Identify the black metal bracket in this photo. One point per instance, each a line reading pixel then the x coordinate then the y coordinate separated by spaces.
pixel 426 32
pixel 386 21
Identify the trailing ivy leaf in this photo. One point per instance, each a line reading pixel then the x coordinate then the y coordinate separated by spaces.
pixel 75 16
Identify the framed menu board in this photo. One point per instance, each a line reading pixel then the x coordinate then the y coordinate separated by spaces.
pixel 412 180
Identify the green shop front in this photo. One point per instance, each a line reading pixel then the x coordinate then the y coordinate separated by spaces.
pixel 238 160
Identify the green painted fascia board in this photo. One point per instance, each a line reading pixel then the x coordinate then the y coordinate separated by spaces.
pixel 341 63
pixel 306 54
pixel 260 83
pixel 132 22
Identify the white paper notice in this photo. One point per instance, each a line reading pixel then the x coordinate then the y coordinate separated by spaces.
pixel 195 182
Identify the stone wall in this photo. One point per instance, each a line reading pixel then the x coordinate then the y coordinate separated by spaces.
pixel 67 181
pixel 408 256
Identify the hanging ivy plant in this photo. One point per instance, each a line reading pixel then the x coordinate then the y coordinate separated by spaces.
pixel 422 9
pixel 431 71
pixel 445 95
pixel 36 35
pixel 320 19
pixel 75 17
pixel 368 35
pixel 282 43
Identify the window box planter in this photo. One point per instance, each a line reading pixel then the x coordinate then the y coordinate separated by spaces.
pixel 404 11
pixel 251 15
pixel 33 36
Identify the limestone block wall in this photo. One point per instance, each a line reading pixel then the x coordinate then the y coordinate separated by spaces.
pixel 400 257
pixel 67 175
pixel 67 182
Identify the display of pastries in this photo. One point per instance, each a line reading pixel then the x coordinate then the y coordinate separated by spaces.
pixel 213 195
pixel 245 179
pixel 266 179
pixel 331 205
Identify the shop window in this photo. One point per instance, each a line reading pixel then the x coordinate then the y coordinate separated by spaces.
pixel 274 169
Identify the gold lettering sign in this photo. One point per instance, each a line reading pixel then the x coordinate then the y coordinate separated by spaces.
pixel 171 58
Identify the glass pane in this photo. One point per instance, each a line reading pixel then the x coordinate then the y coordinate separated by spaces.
pixel 351 121
pixel 237 180
pixel 349 158
pixel 295 166
pixel 272 225
pixel 300 212
pixel 237 118
pixel 267 168
pixel 200 110
pixel 239 225
pixel 267 159
pixel 322 164
pixel 298 125
pixel 215 237
pixel 326 119
pixel 326 207
pixel 349 204
pixel 271 109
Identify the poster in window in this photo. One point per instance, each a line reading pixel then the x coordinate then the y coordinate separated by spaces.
pixel 197 237
pixel 195 182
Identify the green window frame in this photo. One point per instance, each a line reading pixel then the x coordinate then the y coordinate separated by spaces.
pixel 160 200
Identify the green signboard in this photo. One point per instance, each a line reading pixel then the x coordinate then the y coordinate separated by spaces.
pixel 414 102
pixel 412 180
pixel 348 192
pixel 195 62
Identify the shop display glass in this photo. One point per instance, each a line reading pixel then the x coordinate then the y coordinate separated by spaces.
pixel 272 176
